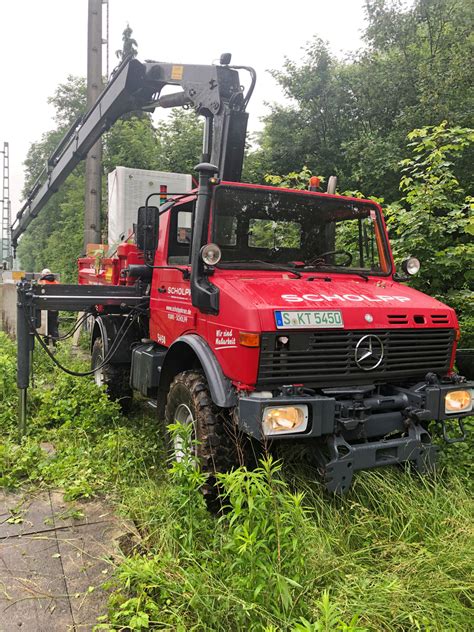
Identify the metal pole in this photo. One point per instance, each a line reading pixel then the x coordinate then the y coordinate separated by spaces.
pixel 24 343
pixel 92 233
pixel 22 411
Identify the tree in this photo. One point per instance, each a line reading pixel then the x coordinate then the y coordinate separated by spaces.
pixel 180 142
pixel 49 238
pixel 351 117
pixel 129 45
pixel 434 220
pixel 69 100
pixel 132 142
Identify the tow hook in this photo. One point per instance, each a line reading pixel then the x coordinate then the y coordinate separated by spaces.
pixel 417 414
pixel 462 430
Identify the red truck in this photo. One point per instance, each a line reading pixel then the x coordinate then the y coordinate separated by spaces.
pixel 279 317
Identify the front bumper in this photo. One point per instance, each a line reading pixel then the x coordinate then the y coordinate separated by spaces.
pixel 359 429
pixel 355 411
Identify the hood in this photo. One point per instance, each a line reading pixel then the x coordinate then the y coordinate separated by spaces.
pixel 363 304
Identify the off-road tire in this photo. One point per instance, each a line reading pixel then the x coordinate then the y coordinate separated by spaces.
pixel 115 377
pixel 220 446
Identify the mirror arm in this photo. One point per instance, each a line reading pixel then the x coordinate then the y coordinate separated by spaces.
pixel 398 276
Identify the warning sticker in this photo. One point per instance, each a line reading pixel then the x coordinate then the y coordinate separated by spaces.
pixel 177 73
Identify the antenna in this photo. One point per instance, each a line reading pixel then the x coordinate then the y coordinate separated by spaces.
pixel 6 249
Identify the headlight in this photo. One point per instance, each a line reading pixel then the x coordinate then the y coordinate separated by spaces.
pixel 458 401
pixel 211 254
pixel 411 265
pixel 279 420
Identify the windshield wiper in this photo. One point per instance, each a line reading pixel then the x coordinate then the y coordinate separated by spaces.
pixel 348 271
pixel 266 264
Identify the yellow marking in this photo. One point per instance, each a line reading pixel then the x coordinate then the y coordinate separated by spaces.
pixel 177 73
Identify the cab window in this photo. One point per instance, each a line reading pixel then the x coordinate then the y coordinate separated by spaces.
pixel 179 243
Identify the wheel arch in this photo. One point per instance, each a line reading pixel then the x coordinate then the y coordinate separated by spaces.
pixel 192 352
pixel 107 327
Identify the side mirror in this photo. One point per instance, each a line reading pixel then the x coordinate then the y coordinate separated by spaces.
pixel 146 230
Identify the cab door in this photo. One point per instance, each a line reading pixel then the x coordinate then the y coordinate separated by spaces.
pixel 172 313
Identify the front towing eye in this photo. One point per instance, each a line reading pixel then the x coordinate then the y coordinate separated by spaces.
pixel 462 430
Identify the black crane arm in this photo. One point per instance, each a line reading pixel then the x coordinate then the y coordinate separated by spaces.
pixel 214 91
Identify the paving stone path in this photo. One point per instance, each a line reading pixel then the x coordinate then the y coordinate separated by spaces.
pixel 54 558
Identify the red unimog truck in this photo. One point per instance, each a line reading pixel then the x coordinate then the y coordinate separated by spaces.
pixel 255 311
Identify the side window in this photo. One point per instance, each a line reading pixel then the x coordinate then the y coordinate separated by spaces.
pixel 180 237
pixel 183 233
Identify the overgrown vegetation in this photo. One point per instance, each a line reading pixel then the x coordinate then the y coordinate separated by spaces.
pixel 395 554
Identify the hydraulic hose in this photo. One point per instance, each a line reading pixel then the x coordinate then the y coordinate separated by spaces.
pixel 120 336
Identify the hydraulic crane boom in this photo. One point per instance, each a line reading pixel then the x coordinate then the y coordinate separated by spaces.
pixel 214 92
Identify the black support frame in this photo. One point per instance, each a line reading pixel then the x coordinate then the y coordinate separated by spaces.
pixel 32 298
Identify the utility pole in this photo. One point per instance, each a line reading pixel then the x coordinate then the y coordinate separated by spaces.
pixel 93 196
pixel 6 250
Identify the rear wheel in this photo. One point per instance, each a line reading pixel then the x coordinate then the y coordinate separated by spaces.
pixel 115 377
pixel 217 444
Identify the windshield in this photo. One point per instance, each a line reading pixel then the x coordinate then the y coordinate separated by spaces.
pixel 298 230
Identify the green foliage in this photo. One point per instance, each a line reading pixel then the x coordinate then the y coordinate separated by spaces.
pixel 132 142
pixel 8 396
pixel 292 180
pixel 54 239
pixel 94 445
pixel 351 117
pixel 265 537
pixel 434 220
pixel 395 554
pixel 69 101
pixel 180 141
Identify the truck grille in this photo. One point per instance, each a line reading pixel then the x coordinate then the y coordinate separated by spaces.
pixel 328 357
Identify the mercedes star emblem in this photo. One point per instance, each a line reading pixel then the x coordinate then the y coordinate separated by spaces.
pixel 369 352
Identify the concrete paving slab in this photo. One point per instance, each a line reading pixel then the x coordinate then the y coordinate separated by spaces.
pixel 72 514
pixel 87 553
pixel 33 513
pixel 33 591
pixel 52 579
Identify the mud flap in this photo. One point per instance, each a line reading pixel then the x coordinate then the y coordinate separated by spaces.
pixel 346 458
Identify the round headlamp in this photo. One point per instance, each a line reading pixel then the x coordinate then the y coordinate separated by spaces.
pixel 211 254
pixel 411 266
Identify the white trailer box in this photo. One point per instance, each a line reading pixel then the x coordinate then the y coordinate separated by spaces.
pixel 128 190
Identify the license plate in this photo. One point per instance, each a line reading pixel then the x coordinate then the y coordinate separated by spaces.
pixel 323 318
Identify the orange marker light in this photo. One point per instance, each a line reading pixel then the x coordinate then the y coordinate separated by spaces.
pixel 314 181
pixel 247 339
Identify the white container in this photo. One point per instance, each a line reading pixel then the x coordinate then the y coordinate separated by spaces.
pixel 128 190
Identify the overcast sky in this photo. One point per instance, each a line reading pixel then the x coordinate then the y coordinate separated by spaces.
pixel 42 42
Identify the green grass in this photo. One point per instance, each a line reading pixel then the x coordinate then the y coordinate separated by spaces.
pixel 395 554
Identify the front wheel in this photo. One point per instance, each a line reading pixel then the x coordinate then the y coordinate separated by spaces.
pixel 115 377
pixel 216 443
